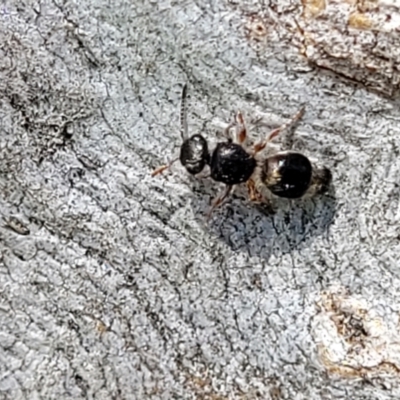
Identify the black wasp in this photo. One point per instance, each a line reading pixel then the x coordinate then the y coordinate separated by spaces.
pixel 286 174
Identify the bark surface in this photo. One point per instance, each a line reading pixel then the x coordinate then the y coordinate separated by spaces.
pixel 112 285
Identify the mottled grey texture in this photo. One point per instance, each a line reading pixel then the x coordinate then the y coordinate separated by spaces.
pixel 120 290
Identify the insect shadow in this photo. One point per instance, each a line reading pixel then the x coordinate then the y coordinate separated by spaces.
pixel 264 230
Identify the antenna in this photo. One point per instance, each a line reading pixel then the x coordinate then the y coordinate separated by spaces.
pixel 184 126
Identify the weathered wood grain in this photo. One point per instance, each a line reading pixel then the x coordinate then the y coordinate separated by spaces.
pixel 112 286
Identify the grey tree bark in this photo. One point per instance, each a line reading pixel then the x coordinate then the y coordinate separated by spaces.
pixel 112 285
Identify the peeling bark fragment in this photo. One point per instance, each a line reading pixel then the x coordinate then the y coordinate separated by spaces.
pixel 358 40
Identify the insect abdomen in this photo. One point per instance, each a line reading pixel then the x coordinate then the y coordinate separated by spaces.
pixel 287 174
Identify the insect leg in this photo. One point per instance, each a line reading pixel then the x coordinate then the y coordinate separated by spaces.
pixel 218 201
pixel 241 131
pixel 162 168
pixel 254 194
pixel 261 145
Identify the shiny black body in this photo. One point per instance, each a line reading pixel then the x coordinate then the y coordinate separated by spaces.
pixel 287 174
pixel 231 164
pixel 194 154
